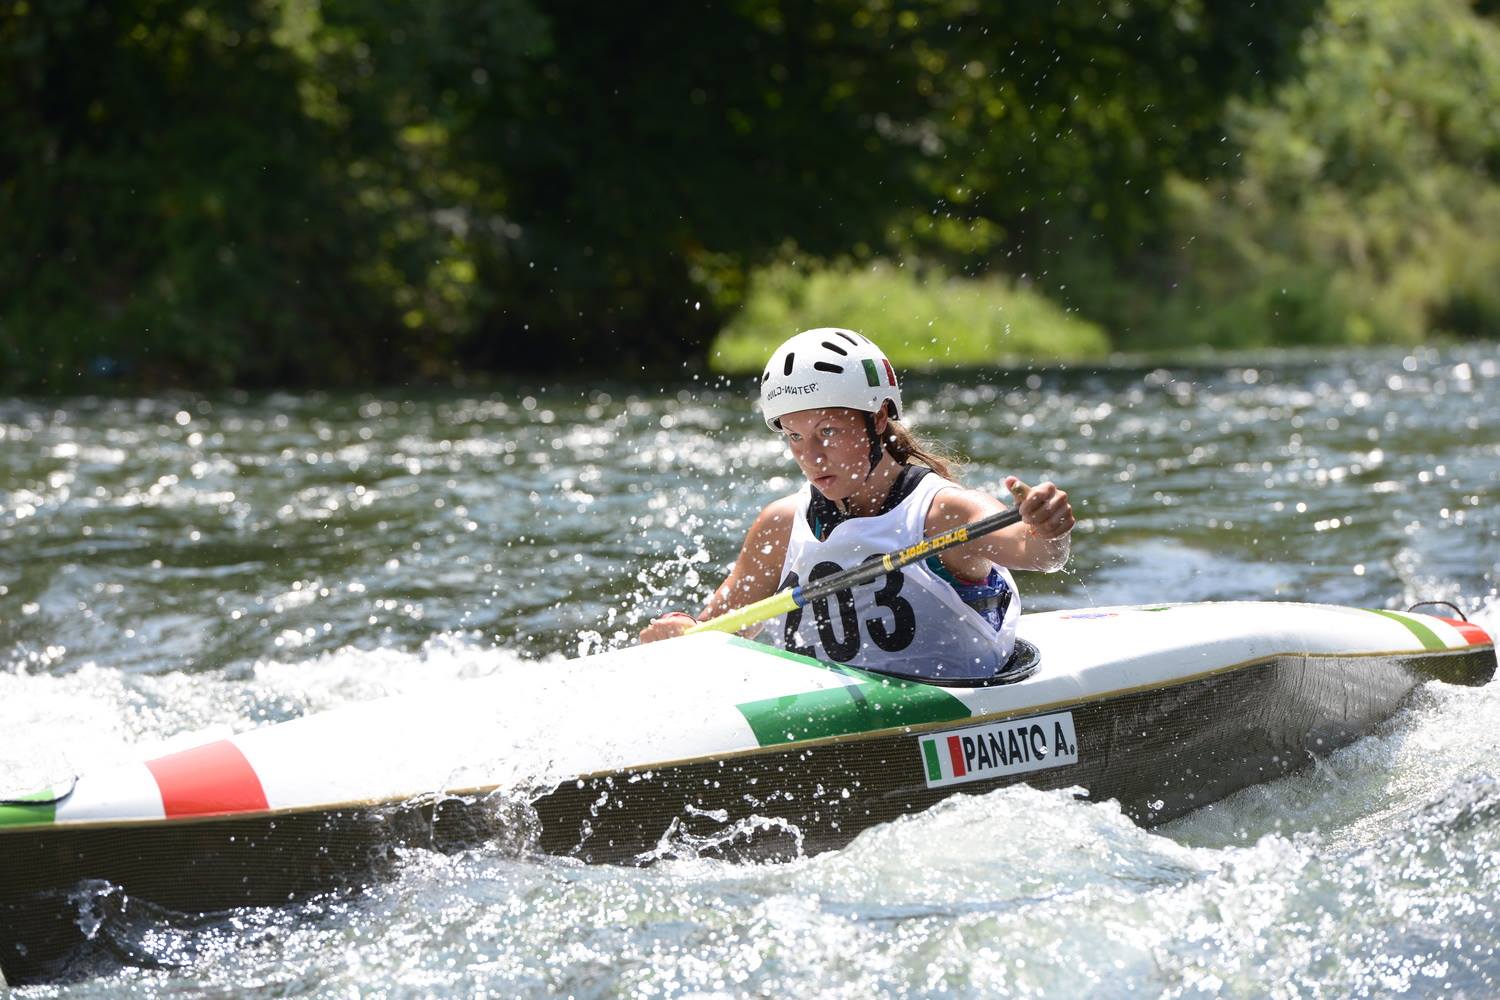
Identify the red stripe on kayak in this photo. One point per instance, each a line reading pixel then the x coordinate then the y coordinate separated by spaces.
pixel 215 778
pixel 1476 635
pixel 956 754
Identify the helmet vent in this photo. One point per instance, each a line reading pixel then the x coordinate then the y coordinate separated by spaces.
pixel 835 348
pixel 847 337
pixel 786 369
pixel 824 366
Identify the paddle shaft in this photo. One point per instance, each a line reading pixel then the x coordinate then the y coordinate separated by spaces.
pixel 795 597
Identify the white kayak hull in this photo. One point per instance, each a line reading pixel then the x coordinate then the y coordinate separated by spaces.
pixel 714 740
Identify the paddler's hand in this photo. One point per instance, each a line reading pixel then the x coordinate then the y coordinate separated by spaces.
pixel 1044 508
pixel 668 626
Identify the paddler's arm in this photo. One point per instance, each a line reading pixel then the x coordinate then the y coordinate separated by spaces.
pixel 1040 542
pixel 754 576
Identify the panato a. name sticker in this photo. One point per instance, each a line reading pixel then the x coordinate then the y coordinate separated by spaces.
pixel 1014 746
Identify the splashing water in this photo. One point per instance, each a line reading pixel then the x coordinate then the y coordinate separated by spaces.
pixel 187 564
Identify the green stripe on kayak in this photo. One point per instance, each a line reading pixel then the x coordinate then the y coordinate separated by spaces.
pixel 875 702
pixel 27 810
pixel 1428 636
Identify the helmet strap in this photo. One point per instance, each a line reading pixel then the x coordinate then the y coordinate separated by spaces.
pixel 875 446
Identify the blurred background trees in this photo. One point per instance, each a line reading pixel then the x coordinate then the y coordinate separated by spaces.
pixel 296 192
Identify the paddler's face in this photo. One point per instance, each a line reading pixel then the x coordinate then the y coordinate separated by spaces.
pixel 832 448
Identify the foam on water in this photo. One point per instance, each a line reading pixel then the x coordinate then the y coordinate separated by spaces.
pixel 94 716
pixel 184 564
pixel 1015 893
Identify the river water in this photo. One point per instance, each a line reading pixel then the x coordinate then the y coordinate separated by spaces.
pixel 186 563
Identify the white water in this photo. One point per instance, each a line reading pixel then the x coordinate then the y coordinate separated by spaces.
pixel 135 618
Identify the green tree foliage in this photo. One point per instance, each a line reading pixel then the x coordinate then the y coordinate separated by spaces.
pixel 1053 124
pixel 275 191
pixel 660 160
pixel 1366 197
pixel 230 192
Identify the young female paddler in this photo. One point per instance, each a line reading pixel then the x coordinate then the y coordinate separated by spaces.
pixel 871 488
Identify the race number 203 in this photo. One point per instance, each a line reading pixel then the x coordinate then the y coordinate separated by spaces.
pixel 839 629
pixel 1013 746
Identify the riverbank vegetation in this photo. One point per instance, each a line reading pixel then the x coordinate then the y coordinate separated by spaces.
pixel 288 192
pixel 1363 204
pixel 929 320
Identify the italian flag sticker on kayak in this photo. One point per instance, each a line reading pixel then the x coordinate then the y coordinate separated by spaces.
pixel 1000 748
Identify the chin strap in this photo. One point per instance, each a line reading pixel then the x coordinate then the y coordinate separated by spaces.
pixel 876 448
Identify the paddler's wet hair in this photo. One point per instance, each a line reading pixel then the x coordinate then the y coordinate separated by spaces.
pixel 905 448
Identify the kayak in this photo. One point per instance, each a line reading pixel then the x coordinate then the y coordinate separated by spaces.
pixel 712 744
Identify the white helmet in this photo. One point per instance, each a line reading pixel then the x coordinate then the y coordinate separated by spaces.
pixel 827 367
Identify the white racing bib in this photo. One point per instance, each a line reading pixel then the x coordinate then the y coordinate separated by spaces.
pixel 911 622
